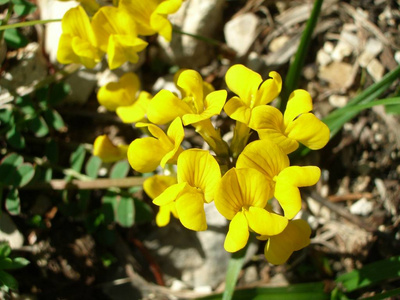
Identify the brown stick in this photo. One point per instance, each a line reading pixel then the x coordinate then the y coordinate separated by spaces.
pixel 103 183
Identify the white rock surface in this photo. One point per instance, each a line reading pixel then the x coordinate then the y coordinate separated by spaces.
pixel 241 32
pixel 9 232
pixel 199 17
pixel 375 69
pixel 372 49
pixel 362 207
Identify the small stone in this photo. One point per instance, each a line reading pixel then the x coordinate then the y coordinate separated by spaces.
pixel 277 43
pixel 328 47
pixel 362 207
pixel 375 69
pixel 338 100
pixel 309 72
pixel 323 58
pixel 372 49
pixel 397 57
pixel 9 232
pixel 241 32
pixel 337 74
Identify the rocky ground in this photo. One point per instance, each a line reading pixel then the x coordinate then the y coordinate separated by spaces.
pixel 353 210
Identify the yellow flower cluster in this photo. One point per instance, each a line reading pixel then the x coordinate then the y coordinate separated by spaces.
pixel 113 30
pixel 240 177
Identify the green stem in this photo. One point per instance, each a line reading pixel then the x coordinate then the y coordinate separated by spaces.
pixel 26 24
pixel 293 75
pixel 232 274
pixel 241 135
pixel 6 19
pixel 199 37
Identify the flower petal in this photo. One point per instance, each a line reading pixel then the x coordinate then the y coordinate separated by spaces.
pixel 263 222
pixel 171 193
pixel 145 154
pixel 244 83
pixel 175 134
pixel 309 130
pixel 299 102
pixel 200 170
pixel 155 185
pixel 106 150
pixel 159 110
pixel 237 110
pixel 137 111
pixel 123 48
pixel 287 187
pixel 164 214
pixel 295 237
pixel 121 93
pixel 264 156
pixel 269 89
pixel 241 188
pixel 190 209
pixel 238 233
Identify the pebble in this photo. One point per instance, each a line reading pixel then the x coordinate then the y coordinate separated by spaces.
pixel 375 69
pixel 338 100
pixel 241 32
pixel 371 50
pixel 362 207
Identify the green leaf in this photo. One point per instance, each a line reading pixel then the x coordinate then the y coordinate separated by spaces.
pixel 125 211
pixel 19 262
pixel 393 109
pixel 234 266
pixel 8 280
pixel 385 295
pixel 371 274
pixel 2 2
pixel 58 92
pixel 13 204
pixel 120 169
pixel 15 139
pixel 93 166
pixel 23 8
pixel 25 173
pixel 5 263
pixel 5 249
pixel 54 119
pixel 109 206
pixel 5 116
pixel 38 126
pixel 77 158
pixel 303 291
pixel 8 168
pixel 143 211
pixel 26 105
pixel 15 39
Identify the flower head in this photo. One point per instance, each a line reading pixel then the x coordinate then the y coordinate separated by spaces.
pixel 154 186
pixel 199 101
pixel 252 91
pixel 198 176
pixel 77 42
pixel 151 15
pixel 279 247
pixel 146 154
pixel 298 124
pixel 115 31
pixel 283 181
pixel 107 151
pixel 242 197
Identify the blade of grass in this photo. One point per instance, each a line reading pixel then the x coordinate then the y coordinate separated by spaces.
pixel 294 72
pixel 385 295
pixel 234 267
pixel 371 274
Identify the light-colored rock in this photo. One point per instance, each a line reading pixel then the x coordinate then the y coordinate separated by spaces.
pixel 9 232
pixel 240 32
pixel 323 58
pixel 338 100
pixel 199 17
pixel 82 85
pixel 372 49
pixel 337 74
pixel 362 207
pixel 278 42
pixel 375 69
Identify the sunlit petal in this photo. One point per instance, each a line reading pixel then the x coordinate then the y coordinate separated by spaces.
pixel 299 102
pixel 237 110
pixel 263 222
pixel 269 89
pixel 155 185
pixel 238 233
pixel 137 111
pixel 190 209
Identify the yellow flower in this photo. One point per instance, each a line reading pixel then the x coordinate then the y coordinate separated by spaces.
pixel 279 247
pixel 252 91
pixel 154 186
pixel 124 98
pixel 146 154
pixel 283 181
pixel 151 15
pixel 199 101
pixel 107 151
pixel 198 176
pixel 242 197
pixel 115 31
pixel 77 42
pixel 298 124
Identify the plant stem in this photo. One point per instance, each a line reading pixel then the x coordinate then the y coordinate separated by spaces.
pixel 5 26
pixel 6 19
pixel 199 37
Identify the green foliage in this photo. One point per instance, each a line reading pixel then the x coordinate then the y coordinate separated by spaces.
pixel 7 281
pixel 120 169
pixel 15 39
pixel 14 172
pixel 23 7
